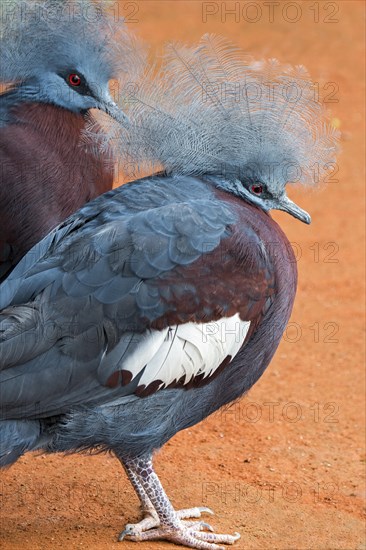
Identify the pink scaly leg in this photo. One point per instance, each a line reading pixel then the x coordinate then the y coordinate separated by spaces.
pixel 160 520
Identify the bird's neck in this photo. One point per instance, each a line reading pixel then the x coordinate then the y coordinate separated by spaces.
pixel 21 103
pixel 17 94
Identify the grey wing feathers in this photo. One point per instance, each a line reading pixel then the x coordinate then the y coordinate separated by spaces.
pixel 86 292
pixel 78 242
pixel 109 260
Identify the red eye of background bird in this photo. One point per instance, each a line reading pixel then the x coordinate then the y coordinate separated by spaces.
pixel 74 80
pixel 257 189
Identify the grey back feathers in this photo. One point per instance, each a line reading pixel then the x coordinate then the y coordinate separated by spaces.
pixel 210 109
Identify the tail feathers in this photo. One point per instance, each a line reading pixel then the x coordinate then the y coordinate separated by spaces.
pixel 16 438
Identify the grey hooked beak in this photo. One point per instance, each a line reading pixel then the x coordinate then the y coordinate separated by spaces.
pixel 112 109
pixel 290 207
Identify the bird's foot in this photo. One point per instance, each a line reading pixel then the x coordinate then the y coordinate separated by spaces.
pixel 151 521
pixel 160 520
pixel 192 534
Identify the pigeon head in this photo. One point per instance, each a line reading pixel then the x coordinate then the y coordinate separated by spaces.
pixel 263 195
pixel 63 53
pixel 255 126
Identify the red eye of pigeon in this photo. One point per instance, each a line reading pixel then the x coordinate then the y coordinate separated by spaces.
pixel 256 189
pixel 74 80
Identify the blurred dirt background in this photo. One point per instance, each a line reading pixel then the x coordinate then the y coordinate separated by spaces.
pixel 285 466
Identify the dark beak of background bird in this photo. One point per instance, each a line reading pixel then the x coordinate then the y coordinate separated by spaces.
pixel 290 207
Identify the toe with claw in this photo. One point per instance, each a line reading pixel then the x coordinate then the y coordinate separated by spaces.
pixel 160 520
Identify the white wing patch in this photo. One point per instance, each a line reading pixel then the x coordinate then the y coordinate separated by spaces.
pixel 186 351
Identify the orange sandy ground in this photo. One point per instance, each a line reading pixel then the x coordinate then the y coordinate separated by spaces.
pixel 293 479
